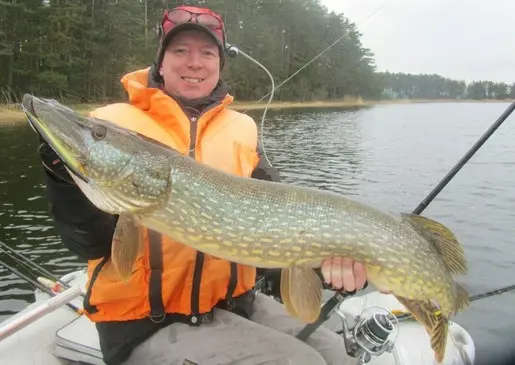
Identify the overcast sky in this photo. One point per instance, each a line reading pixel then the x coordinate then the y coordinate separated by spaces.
pixel 460 39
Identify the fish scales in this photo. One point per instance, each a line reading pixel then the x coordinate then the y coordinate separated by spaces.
pixel 272 241
pixel 254 222
pixel 303 237
pixel 306 227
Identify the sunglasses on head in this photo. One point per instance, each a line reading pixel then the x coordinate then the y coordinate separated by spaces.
pixel 181 16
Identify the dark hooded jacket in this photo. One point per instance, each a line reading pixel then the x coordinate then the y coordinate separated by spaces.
pixel 88 231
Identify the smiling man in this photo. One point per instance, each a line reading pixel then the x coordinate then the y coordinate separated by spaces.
pixel 191 65
pixel 178 305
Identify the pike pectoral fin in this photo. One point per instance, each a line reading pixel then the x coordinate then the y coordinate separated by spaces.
pixel 285 291
pixel 434 321
pixel 301 292
pixel 127 244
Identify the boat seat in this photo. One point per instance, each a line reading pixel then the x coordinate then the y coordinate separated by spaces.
pixel 78 342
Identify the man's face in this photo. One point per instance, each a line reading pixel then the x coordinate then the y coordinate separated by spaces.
pixel 191 65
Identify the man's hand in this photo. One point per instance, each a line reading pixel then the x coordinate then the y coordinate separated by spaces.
pixel 344 273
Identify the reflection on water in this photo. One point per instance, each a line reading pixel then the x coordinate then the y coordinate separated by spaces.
pixel 24 220
pixel 301 142
pixel 389 156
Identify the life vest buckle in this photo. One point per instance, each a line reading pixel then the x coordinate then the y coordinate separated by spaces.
pixel 157 318
pixel 230 303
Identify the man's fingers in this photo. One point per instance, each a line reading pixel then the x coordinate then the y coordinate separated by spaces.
pixel 347 275
pixel 360 275
pixel 344 273
pixel 336 272
pixel 326 270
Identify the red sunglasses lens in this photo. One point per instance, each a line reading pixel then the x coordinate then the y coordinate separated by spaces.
pixel 209 21
pixel 179 16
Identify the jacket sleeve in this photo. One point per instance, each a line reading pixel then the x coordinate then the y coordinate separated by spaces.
pixel 84 229
pixel 264 171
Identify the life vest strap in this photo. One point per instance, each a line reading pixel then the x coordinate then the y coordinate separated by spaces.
pixel 157 310
pixel 232 286
pixel 86 303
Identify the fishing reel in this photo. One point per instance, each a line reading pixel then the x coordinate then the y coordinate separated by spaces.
pixel 370 336
pixel 232 51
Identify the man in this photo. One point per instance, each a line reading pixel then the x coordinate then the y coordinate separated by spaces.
pixel 181 306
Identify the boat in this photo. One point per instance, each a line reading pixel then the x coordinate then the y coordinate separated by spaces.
pixel 64 336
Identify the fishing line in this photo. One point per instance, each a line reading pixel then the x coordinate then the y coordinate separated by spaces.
pixel 473 298
pixel 325 50
pixel 271 93
pixel 233 52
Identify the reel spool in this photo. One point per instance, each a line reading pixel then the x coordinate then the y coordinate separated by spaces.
pixel 371 334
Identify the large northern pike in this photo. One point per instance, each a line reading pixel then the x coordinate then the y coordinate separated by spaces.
pixel 255 222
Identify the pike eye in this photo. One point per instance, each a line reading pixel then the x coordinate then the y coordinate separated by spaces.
pixel 98 132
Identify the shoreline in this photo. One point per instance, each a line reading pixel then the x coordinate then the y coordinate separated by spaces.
pixel 10 114
pixel 354 103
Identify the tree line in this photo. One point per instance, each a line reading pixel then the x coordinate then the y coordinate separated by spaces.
pixel 77 50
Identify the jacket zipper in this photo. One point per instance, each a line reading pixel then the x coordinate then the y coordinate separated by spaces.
pixel 199 260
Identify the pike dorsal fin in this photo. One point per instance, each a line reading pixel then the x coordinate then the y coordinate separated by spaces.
pixel 442 239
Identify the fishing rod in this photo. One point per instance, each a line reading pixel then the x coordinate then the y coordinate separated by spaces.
pixel 17 323
pixel 56 300
pixel 404 316
pixel 473 298
pixel 423 205
pixel 24 260
pixel 338 297
pixel 35 284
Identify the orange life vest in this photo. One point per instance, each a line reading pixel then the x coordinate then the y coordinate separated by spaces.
pixel 170 277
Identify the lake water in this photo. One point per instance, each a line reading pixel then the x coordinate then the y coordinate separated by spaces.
pixel 389 156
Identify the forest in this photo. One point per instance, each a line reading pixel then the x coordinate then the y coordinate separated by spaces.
pixel 77 51
pixel 407 86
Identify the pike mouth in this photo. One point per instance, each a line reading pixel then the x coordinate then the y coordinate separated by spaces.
pixel 71 162
pixel 192 80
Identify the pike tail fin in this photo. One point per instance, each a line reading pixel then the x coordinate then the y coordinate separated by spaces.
pixel 435 323
pixel 462 299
